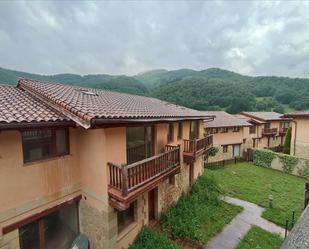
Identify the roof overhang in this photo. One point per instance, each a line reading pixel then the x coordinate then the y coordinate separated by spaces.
pixel 35 125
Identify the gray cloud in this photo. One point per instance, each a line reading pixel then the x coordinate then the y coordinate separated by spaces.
pixel 256 38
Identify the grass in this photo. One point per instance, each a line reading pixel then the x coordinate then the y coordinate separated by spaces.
pixel 149 239
pixel 213 224
pixel 252 183
pixel 257 238
pixel 199 215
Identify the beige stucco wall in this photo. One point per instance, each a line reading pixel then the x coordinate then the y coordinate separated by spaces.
pixel 24 187
pixel 302 138
pixel 45 184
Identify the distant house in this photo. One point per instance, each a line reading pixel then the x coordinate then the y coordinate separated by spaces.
pixel 78 160
pixel 300 133
pixel 268 128
pixel 230 134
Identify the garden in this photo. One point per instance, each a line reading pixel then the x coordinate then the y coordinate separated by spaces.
pixel 200 214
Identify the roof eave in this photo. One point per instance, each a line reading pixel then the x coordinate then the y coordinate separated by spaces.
pixel 35 125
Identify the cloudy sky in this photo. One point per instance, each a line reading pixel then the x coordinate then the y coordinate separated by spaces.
pixel 255 38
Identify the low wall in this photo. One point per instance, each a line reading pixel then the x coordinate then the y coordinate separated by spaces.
pixel 299 236
pixel 279 161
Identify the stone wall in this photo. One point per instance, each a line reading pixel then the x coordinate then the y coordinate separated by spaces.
pixel 169 191
pixel 98 225
pixel 299 236
pixel 10 240
pixel 279 161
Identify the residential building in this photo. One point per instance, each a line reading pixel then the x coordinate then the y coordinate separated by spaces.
pixel 268 128
pixel 300 133
pixel 78 160
pixel 230 135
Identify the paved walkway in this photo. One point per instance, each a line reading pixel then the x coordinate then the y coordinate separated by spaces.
pixel 241 224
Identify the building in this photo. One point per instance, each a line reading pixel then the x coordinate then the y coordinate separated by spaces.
pixel 230 134
pixel 300 133
pixel 268 128
pixel 78 160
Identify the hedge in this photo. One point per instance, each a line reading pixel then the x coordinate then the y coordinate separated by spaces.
pixel 263 157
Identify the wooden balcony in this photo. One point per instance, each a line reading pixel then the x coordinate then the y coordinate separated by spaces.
pixel 269 131
pixel 282 131
pixel 196 147
pixel 127 182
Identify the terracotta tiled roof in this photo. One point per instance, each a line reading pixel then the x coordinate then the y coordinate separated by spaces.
pixel 264 116
pixel 88 105
pixel 224 119
pixel 303 113
pixel 18 106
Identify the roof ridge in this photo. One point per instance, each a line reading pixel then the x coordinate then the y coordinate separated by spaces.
pixel 60 106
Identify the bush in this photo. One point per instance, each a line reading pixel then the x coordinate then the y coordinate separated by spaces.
pixel 287 142
pixel 185 217
pixel 150 239
pixel 288 162
pixel 263 158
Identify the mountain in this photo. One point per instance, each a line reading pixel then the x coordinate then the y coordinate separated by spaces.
pixel 119 83
pixel 209 89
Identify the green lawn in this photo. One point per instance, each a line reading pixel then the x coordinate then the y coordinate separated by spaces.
pixel 213 224
pixel 255 184
pixel 258 238
pixel 199 214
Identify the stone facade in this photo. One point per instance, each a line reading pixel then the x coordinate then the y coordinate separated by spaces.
pixel 299 236
pixel 99 226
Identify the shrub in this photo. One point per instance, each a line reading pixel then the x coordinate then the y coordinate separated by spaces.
pixel 150 239
pixel 184 217
pixel 288 162
pixel 263 158
pixel 287 142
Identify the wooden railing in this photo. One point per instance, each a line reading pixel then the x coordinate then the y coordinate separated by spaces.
pixel 129 177
pixel 270 131
pixel 196 145
pixel 283 130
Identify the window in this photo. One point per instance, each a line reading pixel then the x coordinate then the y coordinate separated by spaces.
pixel 236 129
pixel 224 130
pixel 170 132
pixel 126 217
pixel 215 130
pixel 267 126
pixel 179 135
pixel 56 230
pixel 252 129
pixel 285 125
pixel 140 143
pixel 194 129
pixel 225 148
pixel 208 131
pixel 44 143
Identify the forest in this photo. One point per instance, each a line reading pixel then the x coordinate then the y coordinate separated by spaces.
pixel 209 89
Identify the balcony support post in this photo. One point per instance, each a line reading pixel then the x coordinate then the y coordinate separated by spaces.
pixel 125 184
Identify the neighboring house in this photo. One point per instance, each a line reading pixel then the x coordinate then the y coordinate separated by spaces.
pixel 300 133
pixel 78 160
pixel 229 135
pixel 268 128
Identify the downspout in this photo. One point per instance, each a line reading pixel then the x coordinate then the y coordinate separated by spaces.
pixel 295 133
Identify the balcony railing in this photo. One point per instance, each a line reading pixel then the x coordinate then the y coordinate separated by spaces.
pixel 195 147
pixel 270 131
pixel 283 130
pixel 127 178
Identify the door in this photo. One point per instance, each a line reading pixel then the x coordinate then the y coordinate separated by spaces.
pixel 236 150
pixel 151 204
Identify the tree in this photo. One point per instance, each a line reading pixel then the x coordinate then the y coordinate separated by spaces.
pixel 287 142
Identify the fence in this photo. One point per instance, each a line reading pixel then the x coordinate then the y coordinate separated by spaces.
pixel 222 163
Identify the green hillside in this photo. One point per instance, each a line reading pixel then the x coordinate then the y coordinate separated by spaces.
pixel 209 89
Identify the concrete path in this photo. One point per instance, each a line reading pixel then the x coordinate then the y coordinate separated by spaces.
pixel 241 224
